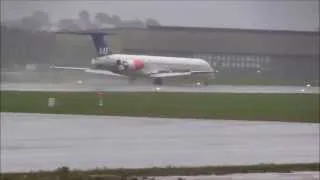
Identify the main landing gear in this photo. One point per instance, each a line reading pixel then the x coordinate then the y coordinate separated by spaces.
pixel 131 80
pixel 204 83
pixel 157 81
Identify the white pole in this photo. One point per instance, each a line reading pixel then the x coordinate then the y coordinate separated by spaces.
pixel 51 102
pixel 100 102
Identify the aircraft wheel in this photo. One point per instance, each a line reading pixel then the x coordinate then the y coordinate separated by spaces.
pixel 157 81
pixel 131 80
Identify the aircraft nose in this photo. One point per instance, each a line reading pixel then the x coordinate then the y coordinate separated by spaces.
pixel 138 64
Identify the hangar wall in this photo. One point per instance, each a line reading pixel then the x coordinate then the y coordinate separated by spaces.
pixel 286 55
pixel 275 56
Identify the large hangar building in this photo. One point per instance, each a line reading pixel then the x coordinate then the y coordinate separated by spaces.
pixel 285 55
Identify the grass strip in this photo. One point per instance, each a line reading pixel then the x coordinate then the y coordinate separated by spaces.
pixel 108 174
pixel 268 107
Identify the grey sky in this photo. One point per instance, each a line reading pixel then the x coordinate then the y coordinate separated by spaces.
pixel 253 14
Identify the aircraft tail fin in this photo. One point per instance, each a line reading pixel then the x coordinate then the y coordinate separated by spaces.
pixel 99 42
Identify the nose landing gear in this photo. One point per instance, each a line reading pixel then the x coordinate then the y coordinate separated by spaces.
pixel 204 83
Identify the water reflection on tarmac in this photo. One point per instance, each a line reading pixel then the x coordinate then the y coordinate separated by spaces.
pixel 39 141
pixel 79 81
pixel 251 176
pixel 72 87
pixel 36 141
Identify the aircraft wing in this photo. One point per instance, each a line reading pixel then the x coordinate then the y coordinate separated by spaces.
pixel 68 68
pixel 177 74
pixel 88 70
pixel 104 72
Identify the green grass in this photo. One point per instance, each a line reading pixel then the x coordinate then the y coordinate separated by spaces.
pixel 257 81
pixel 272 107
pixel 108 174
pixel 265 78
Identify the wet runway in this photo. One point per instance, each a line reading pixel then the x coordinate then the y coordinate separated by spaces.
pixel 38 141
pixel 252 176
pixel 68 81
pixel 149 88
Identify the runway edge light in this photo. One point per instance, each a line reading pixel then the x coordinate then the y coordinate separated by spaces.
pixel 100 94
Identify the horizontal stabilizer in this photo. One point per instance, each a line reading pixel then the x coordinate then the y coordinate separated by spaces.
pixel 97 36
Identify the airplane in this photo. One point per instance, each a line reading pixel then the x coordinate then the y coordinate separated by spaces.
pixel 134 66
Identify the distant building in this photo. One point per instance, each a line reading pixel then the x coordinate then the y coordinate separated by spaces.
pixel 282 54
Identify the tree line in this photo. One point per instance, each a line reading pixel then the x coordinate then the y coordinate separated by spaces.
pixel 40 20
pixel 28 40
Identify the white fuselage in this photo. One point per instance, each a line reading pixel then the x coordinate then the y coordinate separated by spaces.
pixel 145 65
